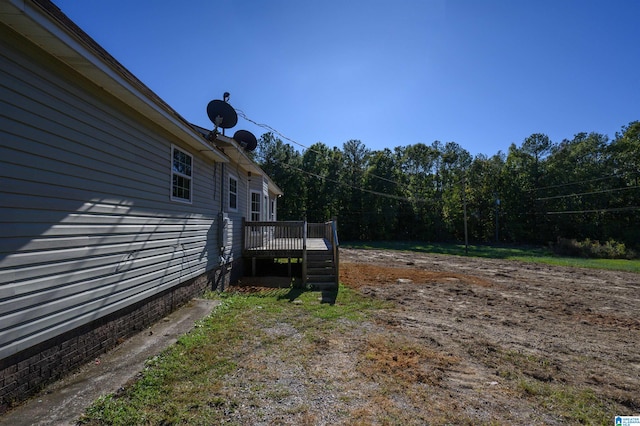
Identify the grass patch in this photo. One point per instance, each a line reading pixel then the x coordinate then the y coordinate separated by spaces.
pixel 253 358
pixel 186 384
pixel 523 253
pixel 575 405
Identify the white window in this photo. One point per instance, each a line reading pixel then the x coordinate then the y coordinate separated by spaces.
pixel 181 175
pixel 255 206
pixel 233 193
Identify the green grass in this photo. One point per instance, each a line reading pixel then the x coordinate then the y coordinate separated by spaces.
pixel 522 253
pixel 184 384
pixel 192 382
pixel 577 405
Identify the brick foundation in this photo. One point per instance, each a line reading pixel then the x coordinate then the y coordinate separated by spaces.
pixel 27 372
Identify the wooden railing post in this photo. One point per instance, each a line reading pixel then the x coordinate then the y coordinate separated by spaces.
pixel 304 253
pixel 244 235
pixel 336 252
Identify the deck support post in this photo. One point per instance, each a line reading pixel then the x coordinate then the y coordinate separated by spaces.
pixel 253 266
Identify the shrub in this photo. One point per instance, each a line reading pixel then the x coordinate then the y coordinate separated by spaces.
pixel 592 249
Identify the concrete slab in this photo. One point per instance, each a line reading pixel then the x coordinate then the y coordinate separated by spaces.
pixel 64 401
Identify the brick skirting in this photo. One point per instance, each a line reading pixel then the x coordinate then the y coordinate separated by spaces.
pixel 27 372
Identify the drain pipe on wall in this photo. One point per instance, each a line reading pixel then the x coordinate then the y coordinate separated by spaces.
pixel 223 222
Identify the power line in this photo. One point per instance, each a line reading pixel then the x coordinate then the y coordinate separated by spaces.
pixel 271 129
pixel 400 198
pixel 618 209
pixel 370 191
pixel 604 191
pixel 577 182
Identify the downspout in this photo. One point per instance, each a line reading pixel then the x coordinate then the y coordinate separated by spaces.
pixel 222 225
pixel 221 188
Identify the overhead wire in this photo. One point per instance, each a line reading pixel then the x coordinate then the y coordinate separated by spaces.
pixel 370 191
pixel 615 209
pixel 604 191
pixel 580 182
pixel 410 199
pixel 276 132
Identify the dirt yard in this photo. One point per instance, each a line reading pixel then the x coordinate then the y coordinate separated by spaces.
pixel 523 342
pixel 437 340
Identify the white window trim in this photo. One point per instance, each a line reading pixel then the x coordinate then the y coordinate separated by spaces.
pixel 251 211
pixel 228 200
pixel 173 172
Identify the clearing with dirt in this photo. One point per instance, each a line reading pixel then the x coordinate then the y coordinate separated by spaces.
pixel 412 339
pixel 523 342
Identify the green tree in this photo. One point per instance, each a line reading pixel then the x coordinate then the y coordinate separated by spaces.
pixel 283 164
pixel 352 208
pixel 382 197
pixel 453 174
pixel 578 187
pixel 417 167
pixel 318 196
pixel 624 160
pixel 524 173
pixel 483 193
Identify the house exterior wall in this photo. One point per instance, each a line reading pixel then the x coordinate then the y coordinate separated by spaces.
pixel 89 230
pixel 233 236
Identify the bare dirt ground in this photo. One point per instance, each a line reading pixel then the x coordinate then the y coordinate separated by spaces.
pixel 516 341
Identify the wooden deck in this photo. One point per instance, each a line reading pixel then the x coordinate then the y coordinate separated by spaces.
pixel 289 247
pixel 316 244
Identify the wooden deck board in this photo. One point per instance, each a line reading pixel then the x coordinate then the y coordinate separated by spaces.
pixel 291 244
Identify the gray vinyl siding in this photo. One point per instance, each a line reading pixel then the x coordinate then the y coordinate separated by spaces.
pixel 235 217
pixel 87 224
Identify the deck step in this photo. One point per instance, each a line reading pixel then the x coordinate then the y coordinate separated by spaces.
pixel 321 278
pixel 321 271
pixel 322 286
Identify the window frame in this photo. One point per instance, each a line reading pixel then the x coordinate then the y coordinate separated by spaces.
pixel 231 177
pixel 257 212
pixel 176 173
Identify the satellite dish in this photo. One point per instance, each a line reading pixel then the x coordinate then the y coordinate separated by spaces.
pixel 246 139
pixel 222 114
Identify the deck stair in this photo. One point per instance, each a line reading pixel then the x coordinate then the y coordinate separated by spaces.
pixel 321 270
pixel 316 244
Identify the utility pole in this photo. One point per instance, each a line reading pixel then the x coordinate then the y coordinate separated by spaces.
pixel 464 203
pixel 497 214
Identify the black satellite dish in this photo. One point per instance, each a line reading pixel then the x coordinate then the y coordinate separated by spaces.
pixel 222 114
pixel 246 139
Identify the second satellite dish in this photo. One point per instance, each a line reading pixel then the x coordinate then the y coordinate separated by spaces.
pixel 246 139
pixel 222 114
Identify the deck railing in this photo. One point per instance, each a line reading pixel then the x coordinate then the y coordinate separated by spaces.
pixel 289 239
pixel 286 235
pixel 268 236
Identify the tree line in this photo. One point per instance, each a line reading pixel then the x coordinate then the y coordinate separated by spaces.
pixel 587 187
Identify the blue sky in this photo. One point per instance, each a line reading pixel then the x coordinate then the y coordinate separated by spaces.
pixel 482 73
